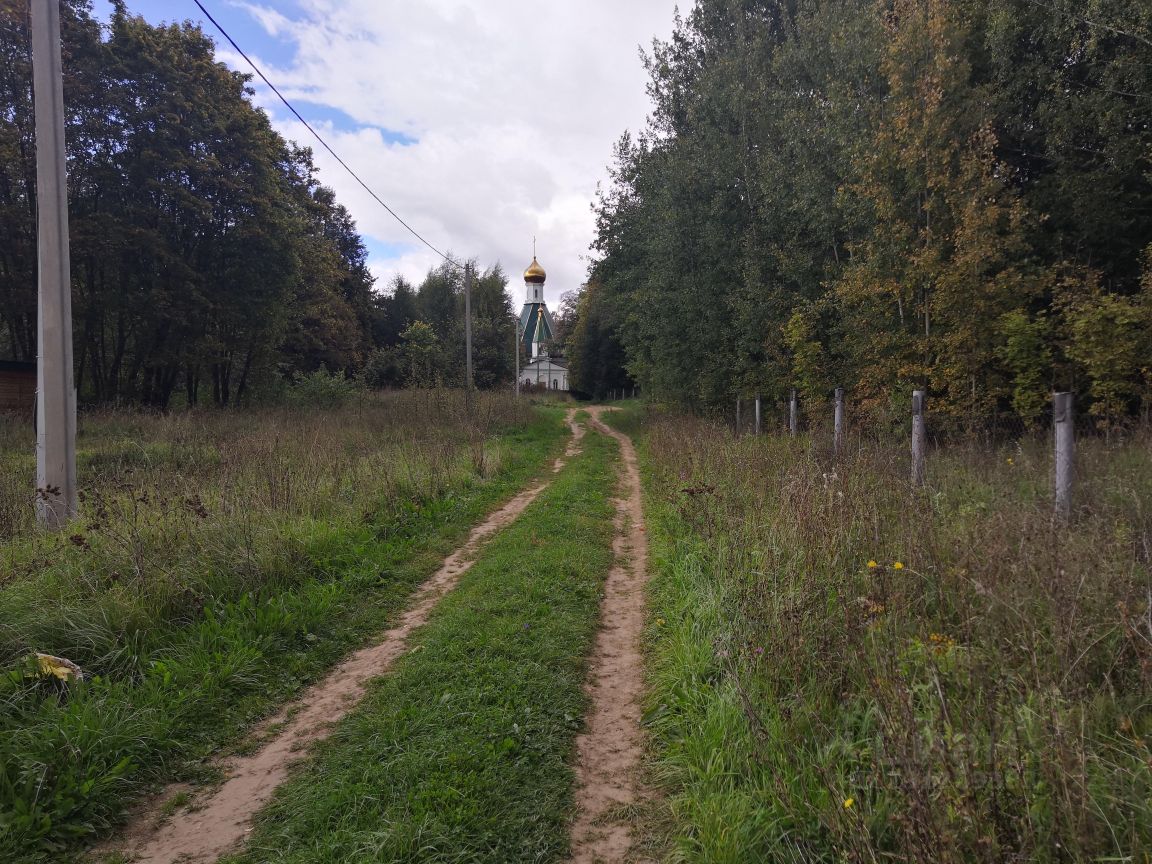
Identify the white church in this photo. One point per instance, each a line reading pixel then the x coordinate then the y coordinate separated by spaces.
pixel 536 331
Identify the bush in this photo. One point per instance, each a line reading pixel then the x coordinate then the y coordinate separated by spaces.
pixel 324 389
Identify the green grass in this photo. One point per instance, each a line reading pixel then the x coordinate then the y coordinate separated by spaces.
pixel 194 627
pixel 463 753
pixel 989 700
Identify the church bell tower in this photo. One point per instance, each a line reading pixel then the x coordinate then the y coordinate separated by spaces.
pixel 535 320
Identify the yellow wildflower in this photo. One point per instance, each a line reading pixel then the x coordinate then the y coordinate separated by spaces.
pixel 1010 461
pixel 941 643
pixel 872 565
pixel 848 802
pixel 896 565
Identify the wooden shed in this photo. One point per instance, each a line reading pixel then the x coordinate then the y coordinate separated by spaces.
pixel 17 387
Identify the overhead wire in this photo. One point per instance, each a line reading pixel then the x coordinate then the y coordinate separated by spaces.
pixel 320 138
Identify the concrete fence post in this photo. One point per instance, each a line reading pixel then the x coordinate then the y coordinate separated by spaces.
pixel 793 415
pixel 737 416
pixel 758 414
pixel 1063 415
pixel 918 438
pixel 838 422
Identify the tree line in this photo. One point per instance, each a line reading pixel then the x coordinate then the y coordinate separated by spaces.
pixel 419 331
pixel 208 262
pixel 881 195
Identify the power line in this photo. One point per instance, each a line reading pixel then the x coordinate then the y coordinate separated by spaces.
pixel 318 137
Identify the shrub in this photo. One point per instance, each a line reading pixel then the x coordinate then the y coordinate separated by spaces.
pixel 324 389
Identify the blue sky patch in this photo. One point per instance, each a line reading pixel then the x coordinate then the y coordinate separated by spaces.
pixel 268 50
pixel 319 113
pixel 245 29
pixel 387 251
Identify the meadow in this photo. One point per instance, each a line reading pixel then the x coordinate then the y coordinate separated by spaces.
pixel 223 560
pixel 844 668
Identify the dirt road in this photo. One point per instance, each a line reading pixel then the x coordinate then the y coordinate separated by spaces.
pixel 610 750
pixel 218 821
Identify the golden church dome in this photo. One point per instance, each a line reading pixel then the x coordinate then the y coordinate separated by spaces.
pixel 535 273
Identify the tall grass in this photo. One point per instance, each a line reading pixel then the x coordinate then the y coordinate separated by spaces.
pixel 284 460
pixel 848 669
pixel 221 561
pixel 180 509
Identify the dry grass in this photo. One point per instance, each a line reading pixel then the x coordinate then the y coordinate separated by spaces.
pixel 301 461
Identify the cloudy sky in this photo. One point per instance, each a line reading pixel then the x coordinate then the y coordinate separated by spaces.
pixel 481 122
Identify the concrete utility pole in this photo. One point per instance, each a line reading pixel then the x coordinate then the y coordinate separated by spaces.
pixel 468 334
pixel 516 354
pixel 56 500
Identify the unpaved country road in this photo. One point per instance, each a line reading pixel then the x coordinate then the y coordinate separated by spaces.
pixel 222 819
pixel 610 750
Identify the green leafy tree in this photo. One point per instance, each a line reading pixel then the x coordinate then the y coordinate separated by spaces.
pixel 392 312
pixel 206 258
pixel 423 357
pixel 1111 337
pixel 493 330
pixel 596 358
pixel 1025 350
pixel 884 196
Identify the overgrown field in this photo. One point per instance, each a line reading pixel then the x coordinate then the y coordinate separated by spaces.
pixel 845 669
pixel 222 561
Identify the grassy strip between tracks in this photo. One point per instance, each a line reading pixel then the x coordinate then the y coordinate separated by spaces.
pixel 463 753
pixel 73 758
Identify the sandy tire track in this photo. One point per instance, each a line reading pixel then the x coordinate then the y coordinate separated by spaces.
pixel 610 749
pixel 219 821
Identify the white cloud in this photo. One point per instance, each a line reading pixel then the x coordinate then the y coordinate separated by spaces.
pixel 411 265
pixel 514 107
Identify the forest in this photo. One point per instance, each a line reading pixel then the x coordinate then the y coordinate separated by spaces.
pixel 948 194
pixel 209 264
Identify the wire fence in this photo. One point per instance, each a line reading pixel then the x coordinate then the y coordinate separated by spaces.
pixel 750 415
pixel 835 424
